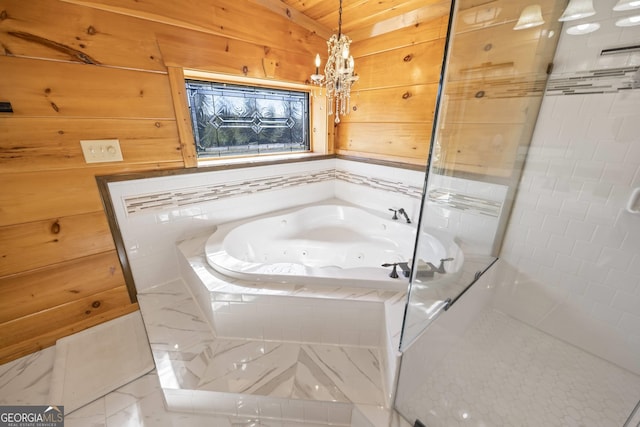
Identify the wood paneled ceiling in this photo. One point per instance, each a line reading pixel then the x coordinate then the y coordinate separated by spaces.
pixel 363 19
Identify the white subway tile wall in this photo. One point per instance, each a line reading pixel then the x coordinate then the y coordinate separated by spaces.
pixel 569 233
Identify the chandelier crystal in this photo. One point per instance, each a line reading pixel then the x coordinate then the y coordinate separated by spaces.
pixel 338 72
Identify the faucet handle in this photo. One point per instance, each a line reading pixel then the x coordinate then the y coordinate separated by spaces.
pixel 395 213
pixel 442 261
pixel 406 270
pixel 394 272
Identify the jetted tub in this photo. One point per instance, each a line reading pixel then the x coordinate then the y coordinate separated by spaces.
pixel 328 244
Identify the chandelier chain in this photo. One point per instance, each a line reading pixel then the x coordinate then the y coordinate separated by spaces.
pixel 340 20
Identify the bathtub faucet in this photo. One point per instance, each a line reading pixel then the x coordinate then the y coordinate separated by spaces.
pixel 404 266
pixel 426 270
pixel 402 212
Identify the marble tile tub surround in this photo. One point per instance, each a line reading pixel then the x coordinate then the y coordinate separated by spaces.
pixel 200 372
pixel 329 315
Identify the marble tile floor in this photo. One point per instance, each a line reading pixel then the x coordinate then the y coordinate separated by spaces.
pixel 201 380
pixel 142 402
pixel 26 381
pixel 193 358
pixel 307 382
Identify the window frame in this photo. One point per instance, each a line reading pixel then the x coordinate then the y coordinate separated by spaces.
pixel 318 135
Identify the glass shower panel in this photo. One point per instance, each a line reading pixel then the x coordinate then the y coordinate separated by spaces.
pixel 492 88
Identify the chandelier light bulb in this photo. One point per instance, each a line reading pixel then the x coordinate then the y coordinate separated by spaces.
pixel 317 62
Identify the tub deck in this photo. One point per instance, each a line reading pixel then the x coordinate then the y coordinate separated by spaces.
pixel 321 245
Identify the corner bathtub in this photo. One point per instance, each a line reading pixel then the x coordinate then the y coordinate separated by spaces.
pixel 327 244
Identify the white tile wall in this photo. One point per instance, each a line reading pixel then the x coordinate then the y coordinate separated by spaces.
pixel 569 231
pixel 150 238
pixel 569 235
pixel 376 199
pixel 475 232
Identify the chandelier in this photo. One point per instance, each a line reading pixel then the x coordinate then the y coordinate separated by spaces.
pixel 338 72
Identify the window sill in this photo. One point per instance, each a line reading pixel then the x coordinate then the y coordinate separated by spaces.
pixel 257 160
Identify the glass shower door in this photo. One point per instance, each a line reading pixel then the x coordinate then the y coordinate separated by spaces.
pixel 498 59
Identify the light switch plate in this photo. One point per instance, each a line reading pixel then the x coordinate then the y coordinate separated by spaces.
pixel 101 150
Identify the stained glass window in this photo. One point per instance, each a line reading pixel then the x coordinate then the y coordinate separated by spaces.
pixel 232 120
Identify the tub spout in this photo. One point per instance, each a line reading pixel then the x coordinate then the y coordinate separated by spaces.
pixel 404 213
pixel 406 270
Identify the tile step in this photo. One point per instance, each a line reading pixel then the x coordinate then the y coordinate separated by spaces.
pixel 274 380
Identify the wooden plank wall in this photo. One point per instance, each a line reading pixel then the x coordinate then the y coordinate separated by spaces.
pixel 394 100
pixel 77 70
pixel 94 69
pixel 495 83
